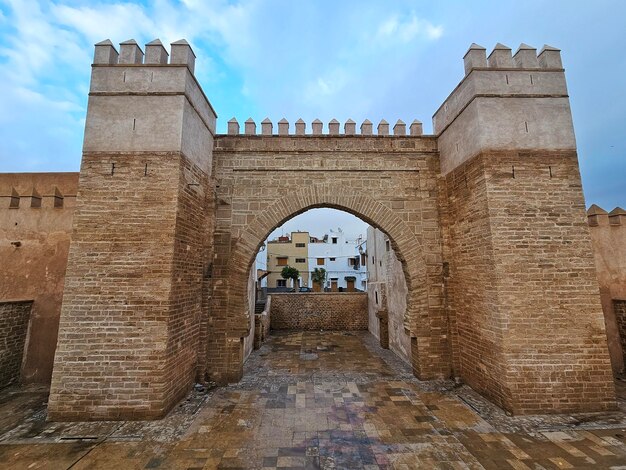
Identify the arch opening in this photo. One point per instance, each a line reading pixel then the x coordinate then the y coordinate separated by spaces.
pixel 356 256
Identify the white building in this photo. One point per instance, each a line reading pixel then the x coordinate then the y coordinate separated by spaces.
pixel 345 260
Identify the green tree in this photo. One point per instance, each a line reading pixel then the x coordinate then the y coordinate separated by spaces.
pixel 318 276
pixel 291 273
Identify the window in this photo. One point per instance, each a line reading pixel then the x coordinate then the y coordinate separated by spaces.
pixel 373 260
pixel 300 245
pixel 320 261
pixel 363 259
pixel 387 245
pixel 300 260
pixel 334 240
pixel 282 261
pixel 351 261
pixel 281 282
pixel 332 259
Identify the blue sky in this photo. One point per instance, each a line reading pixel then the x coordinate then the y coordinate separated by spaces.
pixel 316 59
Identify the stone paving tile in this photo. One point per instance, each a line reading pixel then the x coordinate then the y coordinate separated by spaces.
pixel 325 400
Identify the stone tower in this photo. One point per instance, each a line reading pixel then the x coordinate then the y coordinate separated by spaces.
pixel 526 321
pixel 130 319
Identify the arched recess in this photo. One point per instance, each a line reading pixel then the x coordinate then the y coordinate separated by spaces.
pixel 404 241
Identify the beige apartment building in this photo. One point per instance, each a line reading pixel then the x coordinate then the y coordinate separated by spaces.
pixel 288 251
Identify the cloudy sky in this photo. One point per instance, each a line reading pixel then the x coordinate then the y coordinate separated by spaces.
pixel 311 59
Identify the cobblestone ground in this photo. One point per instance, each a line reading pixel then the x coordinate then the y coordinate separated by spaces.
pixel 316 400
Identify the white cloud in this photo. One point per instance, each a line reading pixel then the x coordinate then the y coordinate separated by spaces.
pixel 405 29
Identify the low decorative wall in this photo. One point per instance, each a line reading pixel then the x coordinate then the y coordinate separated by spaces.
pixel 319 311
pixel 14 316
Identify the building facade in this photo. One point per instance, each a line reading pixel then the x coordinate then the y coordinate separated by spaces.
pixel 287 251
pixel 342 258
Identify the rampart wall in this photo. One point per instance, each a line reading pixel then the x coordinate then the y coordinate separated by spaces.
pixel 36 212
pixel 608 235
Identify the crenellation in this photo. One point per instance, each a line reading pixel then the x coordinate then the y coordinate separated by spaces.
pixel 349 128
pixel 266 127
pixel 500 57
pixel 156 53
pixel 617 216
pixel 317 127
pixel 105 53
pixel 475 57
pixel 250 127
pixel 399 128
pixel 366 127
pixel 130 52
pixel 283 127
pixel 333 127
pixel 183 54
pixel 300 127
pixel 416 128
pixel 550 57
pixel 526 57
pixel 383 127
pixel 233 127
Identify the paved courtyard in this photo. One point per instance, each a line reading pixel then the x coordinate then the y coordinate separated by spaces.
pixel 316 400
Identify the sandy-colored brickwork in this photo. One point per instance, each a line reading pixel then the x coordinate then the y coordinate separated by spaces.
pixel 14 317
pixel 520 255
pixel 319 311
pixel 388 182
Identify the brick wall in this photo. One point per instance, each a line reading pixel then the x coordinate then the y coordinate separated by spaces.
pixel 390 183
pixel 520 259
pixel 129 332
pixel 319 311
pixel 14 318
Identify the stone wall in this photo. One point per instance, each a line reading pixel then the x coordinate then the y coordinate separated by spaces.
pixel 36 212
pixel 520 255
pixel 14 317
pixel 608 235
pixel 319 311
pixel 389 182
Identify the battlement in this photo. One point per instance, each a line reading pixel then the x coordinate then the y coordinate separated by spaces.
pixel 503 74
pixel 526 57
pixel 131 54
pixel 349 128
pixel 148 101
pixel 596 216
pixel 505 101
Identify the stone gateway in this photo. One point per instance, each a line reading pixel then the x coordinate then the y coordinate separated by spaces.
pixel 486 216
